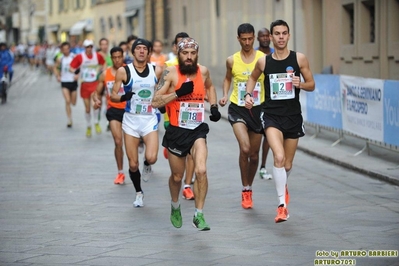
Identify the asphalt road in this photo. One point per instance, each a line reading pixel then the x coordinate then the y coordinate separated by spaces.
pixel 59 206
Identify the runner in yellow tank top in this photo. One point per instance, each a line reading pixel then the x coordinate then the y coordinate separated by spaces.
pixel 240 73
pixel 246 125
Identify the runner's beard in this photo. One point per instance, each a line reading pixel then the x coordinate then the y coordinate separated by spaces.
pixel 188 69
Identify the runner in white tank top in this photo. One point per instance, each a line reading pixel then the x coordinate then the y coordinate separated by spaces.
pixel 68 80
pixel 139 79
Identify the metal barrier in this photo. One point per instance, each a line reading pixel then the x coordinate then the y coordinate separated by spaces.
pixel 341 136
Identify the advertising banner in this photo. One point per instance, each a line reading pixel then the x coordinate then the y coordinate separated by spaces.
pixel 391 112
pixel 362 106
pixel 303 96
pixel 323 105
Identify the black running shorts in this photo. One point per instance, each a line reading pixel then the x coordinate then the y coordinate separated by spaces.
pixel 250 117
pixel 180 140
pixel 115 114
pixel 291 126
pixel 71 86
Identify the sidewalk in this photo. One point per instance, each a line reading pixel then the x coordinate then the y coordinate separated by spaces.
pixel 381 164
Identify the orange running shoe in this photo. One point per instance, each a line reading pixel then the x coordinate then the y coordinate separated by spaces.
pixel 287 196
pixel 188 193
pixel 246 197
pixel 120 179
pixel 282 214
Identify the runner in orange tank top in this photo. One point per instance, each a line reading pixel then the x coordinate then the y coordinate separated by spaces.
pixel 182 91
pixel 157 57
pixel 115 110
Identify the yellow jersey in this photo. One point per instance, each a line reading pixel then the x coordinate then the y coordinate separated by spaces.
pixel 241 72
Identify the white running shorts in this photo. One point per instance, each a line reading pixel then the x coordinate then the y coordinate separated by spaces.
pixel 139 125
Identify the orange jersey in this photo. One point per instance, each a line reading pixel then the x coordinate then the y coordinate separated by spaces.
pixel 36 49
pixel 196 97
pixel 158 61
pixel 109 80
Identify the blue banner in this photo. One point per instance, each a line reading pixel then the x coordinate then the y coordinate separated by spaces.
pixel 391 112
pixel 323 105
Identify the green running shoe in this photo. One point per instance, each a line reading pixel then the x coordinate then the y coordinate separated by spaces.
pixel 175 217
pixel 199 222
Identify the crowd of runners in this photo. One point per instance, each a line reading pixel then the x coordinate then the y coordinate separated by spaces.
pixel 140 86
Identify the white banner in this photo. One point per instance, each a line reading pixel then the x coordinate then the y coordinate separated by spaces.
pixel 362 104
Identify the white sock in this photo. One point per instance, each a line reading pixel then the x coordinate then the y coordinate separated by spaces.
pixel 175 204
pixel 246 188
pixel 186 186
pixel 197 211
pixel 88 119
pixel 96 115
pixel 280 179
pixel 120 171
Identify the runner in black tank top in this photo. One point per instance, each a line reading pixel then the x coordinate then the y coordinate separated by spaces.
pixel 281 114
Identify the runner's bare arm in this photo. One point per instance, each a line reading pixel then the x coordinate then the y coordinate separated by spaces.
pixel 227 81
pixel 309 84
pixel 210 89
pixel 164 93
pixel 56 69
pixel 119 78
pixel 103 67
pixel 71 69
pixel 158 72
pixel 255 74
pixel 98 93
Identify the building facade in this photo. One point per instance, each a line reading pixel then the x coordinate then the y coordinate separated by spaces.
pixel 352 37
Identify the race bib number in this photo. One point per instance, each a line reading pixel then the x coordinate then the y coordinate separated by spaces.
pixel 110 86
pixel 281 86
pixel 65 69
pixel 89 73
pixel 191 115
pixel 242 90
pixel 142 106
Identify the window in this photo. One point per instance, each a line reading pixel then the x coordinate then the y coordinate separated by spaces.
pixel 110 23
pixel 119 22
pixel 393 18
pixel 348 32
pixel 61 6
pixel 184 15
pixel 217 8
pixel 166 22
pixel 153 20
pixel 368 16
pixel 102 25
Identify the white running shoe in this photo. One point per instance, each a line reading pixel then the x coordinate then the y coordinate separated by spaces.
pixel 147 171
pixel 139 200
pixel 264 174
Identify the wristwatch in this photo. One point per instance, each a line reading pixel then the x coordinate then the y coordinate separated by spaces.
pixel 245 95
